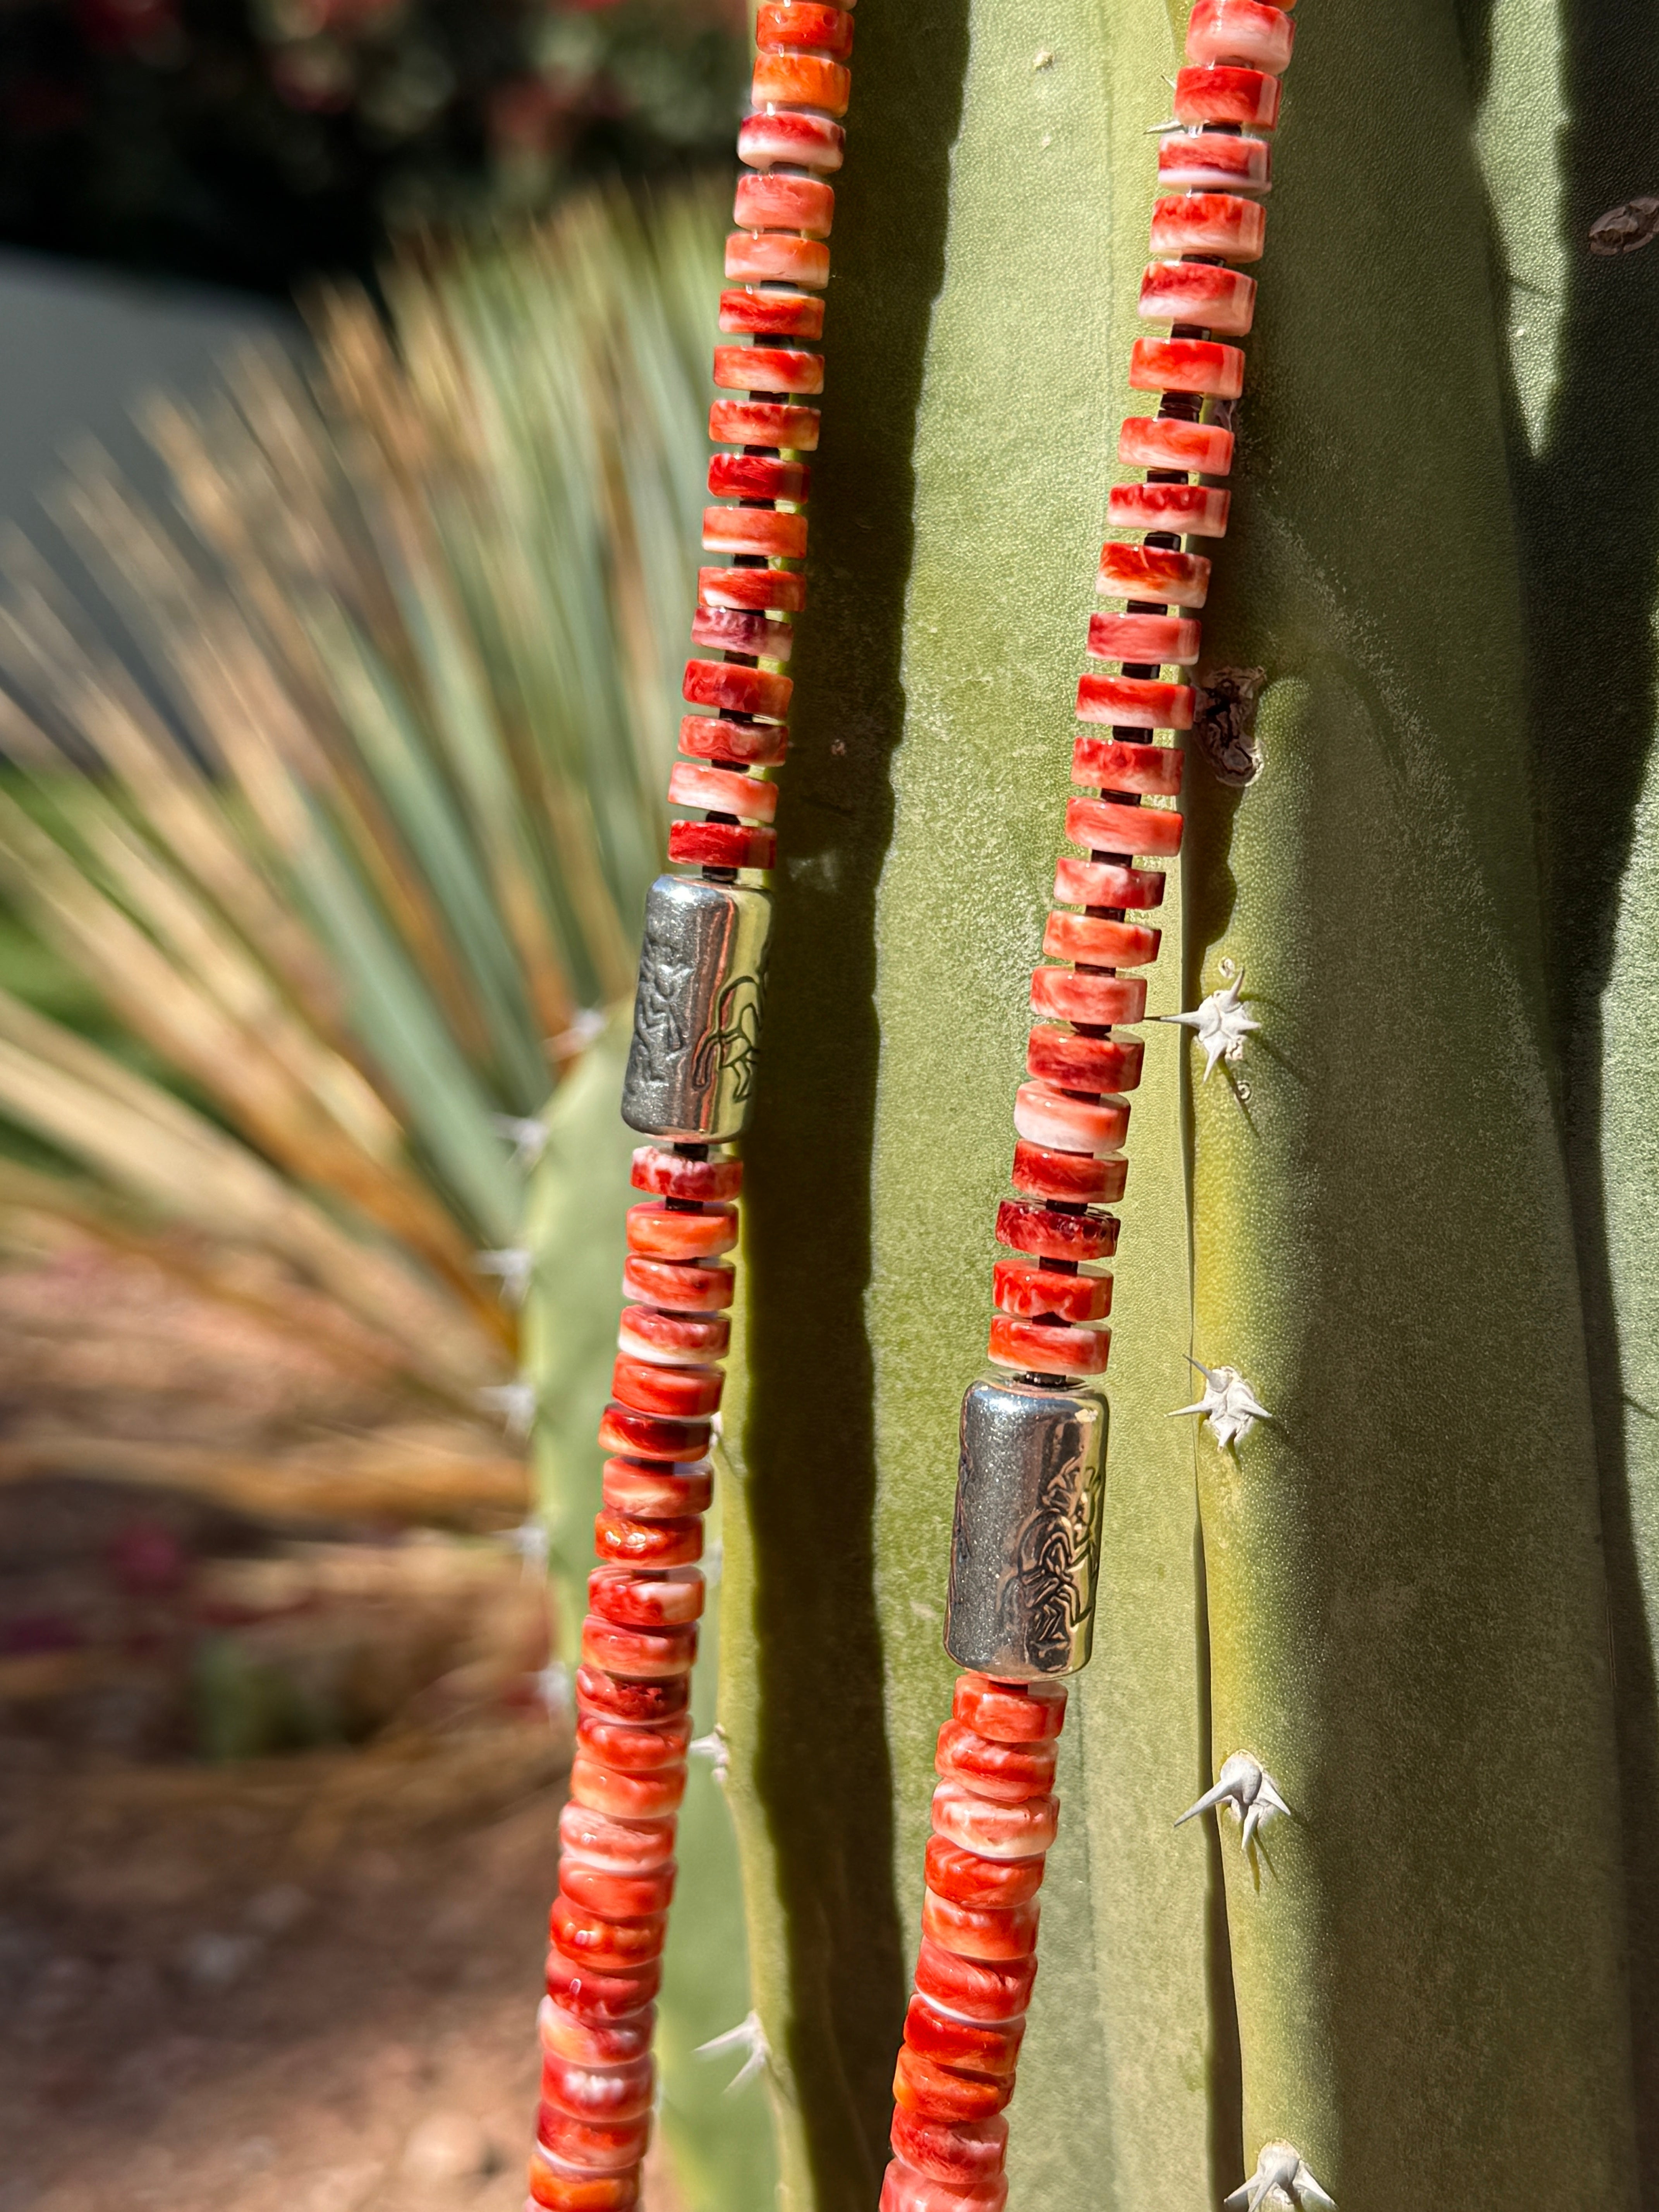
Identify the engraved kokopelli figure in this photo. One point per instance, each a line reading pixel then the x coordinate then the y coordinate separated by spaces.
pixel 730 1038
pixel 660 1005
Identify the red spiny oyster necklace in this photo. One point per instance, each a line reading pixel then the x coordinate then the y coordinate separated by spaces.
pixel 1027 1525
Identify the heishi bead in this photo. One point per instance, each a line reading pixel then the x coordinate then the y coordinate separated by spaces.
pixel 773 202
pixel 629 1796
pixel 672 1175
pixel 600 1889
pixel 1068 1178
pixel 1105 826
pixel 981 1931
pixel 600 2147
pixel 1152 571
pixel 1213 162
pixel 1106 883
pixel 676 1339
pixel 978 2046
pixel 684 1392
pixel 1195 292
pixel 1241 33
pixel 722 791
pixel 940 2093
pixel 561 2187
pixel 631 1846
pixel 763 423
pixel 1009 1712
pixel 627 1699
pixel 646 1492
pixel 650 1436
pixel 1192 510
pixel 1071 995
pixel 801 81
pixel 1051 1235
pixel 1209 222
pixel 721 845
pixel 903 2189
pixel 562 2035
pixel 1010 1772
pixel 634 1747
pixel 639 1653
pixel 980 1989
pixel 1158 640
pixel 681 1288
pixel 1090 936
pixel 598 2093
pixel 1046 1347
pixel 669 1541
pixel 973 2150
pixel 768 368
pixel 658 1232
pixel 1120 765
pixel 1187 365
pixel 729 737
pixel 806 142
pixel 1019 1287
pixel 1136 703
pixel 781 590
pixel 757 475
pixel 968 1879
pixel 1078 1063
pixel 772 314
pixel 631 1596
pixel 579 1987
pixel 767 530
pixel 787 24
pixel 728 683
pixel 1044 1116
pixel 1227 95
pixel 778 257
pixel 1160 442
pixel 734 629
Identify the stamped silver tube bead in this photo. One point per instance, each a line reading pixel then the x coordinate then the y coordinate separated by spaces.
pixel 1025 1550
pixel 697 1011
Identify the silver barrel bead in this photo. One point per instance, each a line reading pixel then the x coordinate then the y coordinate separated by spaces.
pixel 1025 1550
pixel 697 1011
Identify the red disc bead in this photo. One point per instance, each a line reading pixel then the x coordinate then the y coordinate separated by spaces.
pixel 601 1691
pixel 658 1232
pixel 805 142
pixel 1047 1348
pixel 628 1796
pixel 1105 826
pixel 1152 571
pixel 651 1436
pixel 970 2151
pixel 1160 442
pixel 682 1393
pixel 905 2188
pixel 1090 936
pixel 982 1988
pixel 632 1748
pixel 783 591
pixel 1139 703
pixel 682 1287
pixel 583 2043
pixel 1159 638
pixel 672 1175
pixel 1010 1772
pixel 679 1339
pixel 764 423
pixel 975 2047
pixel 992 1827
pixel 1227 95
pixel 722 791
pixel 656 1492
pixel 1046 1115
pixel 966 1879
pixel 768 368
pixel 801 81
pixel 598 2093
pixel 629 1597
pixel 757 745
pixel 727 683
pixel 1106 883
pixel 1119 764
pixel 591 1994
pixel 1207 223
pixel 722 845
pixel 778 257
pixel 1077 994
pixel 1187 364
pixel 561 2187
pixel 734 629
pixel 626 1846
pixel 938 2093
pixel 608 1944
pixel 981 1931
pixel 761 476
pixel 615 1896
pixel 1050 1235
pixel 1194 510
pixel 765 530
pixel 782 24
pixel 1213 162
pixel 1009 1712
pixel 1018 1287
pixel 643 1655
pixel 1241 32
pixel 599 2146
pixel 1072 1178
pixel 772 315
pixel 1196 292
pixel 648 1543
pixel 782 203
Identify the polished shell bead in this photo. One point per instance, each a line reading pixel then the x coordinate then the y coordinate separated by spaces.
pixel 615 2043
pixel 772 315
pixel 659 1543
pixel 801 81
pixel 981 1931
pixel 1221 299
pixel 1047 1235
pixel 722 791
pixel 629 1596
pixel 674 1174
pixel 734 629
pixel 727 737
pixel 939 2092
pixel 781 24
pixel 598 2093
pixel 729 683
pixel 970 2151
pixel 1106 883
pixel 639 1654
pixel 678 1339
pixel 628 1797
pixel 1104 825
pixel 904 2189
pixel 626 1698
pixel 781 590
pixel 776 257
pixel 561 2187
pixel 975 2047
pixel 1046 1347
pixel 602 1889
pixel 1096 1064
pixel 967 1878
pixel 1153 571
pixel 1159 640
pixel 1194 510
pixel 649 1436
pixel 1222 94
pixel 1160 442
pixel 1135 702
pixel 1213 162
pixel 1009 1712
pixel 782 203
pixel 608 1944
pixel 1045 1116
pixel 597 2145
pixel 768 368
pixel 757 475
pixel 655 1493
pixel 1010 1772
pixel 995 1830
pixel 1019 1287
pixel 721 845
pixel 629 1846
pixel 1187 365
pixel 1121 764
pixel 1073 1178
pixel 1241 33
pixel 682 1393
pixel 764 423
pixel 633 1747
pixel 680 1287
pixel 768 529
pixel 1073 995
pixel 980 1989
pixel 1207 223
pixel 658 1231
pixel 804 142
pixel 579 1987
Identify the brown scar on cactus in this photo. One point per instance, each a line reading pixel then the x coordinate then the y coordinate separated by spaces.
pixel 1223 726
pixel 1625 229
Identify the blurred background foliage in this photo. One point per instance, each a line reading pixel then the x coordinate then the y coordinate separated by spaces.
pixel 254 143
